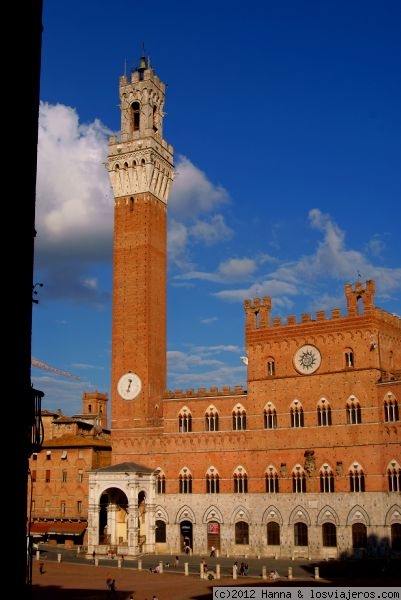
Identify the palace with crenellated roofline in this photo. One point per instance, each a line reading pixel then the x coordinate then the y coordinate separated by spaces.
pixel 305 462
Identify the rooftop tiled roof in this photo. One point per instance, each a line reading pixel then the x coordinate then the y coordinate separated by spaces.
pixel 57 527
pixel 77 441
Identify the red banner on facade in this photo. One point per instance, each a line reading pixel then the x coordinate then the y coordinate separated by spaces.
pixel 213 527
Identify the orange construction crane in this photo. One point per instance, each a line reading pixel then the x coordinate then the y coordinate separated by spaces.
pixel 42 365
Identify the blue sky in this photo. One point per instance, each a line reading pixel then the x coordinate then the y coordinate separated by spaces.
pixel 286 125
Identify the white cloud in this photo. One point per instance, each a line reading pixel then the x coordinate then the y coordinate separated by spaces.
pixel 177 240
pixel 74 199
pixel 182 237
pixel 74 207
pixel 219 377
pixel 192 193
pixel 211 232
pixel 231 270
pixel 74 223
pixel 209 350
pixel 302 277
pixel 237 268
pixel 280 290
pixel 193 197
pixel 183 361
pixel 376 246
pixel 208 320
pixel 194 367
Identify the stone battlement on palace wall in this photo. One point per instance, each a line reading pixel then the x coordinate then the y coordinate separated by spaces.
pixel 320 315
pixel 226 390
pixel 359 301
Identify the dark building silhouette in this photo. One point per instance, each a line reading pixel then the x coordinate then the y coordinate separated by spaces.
pixel 24 82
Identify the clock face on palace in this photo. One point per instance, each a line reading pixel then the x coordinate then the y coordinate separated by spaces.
pixel 307 359
pixel 129 386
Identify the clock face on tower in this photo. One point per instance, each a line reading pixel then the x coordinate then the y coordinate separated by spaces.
pixel 307 359
pixel 129 385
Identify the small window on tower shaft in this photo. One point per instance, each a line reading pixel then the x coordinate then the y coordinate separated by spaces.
pixel 135 115
pixel 155 124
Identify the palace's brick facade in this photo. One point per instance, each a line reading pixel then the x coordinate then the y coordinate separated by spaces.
pixel 305 461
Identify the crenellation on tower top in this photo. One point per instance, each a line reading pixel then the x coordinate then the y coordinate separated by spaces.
pixel 257 313
pixel 357 295
pixel 359 299
pixel 139 159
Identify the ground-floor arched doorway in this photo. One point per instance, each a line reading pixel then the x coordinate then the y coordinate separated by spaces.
pixel 122 510
pixel 186 536
pixel 213 535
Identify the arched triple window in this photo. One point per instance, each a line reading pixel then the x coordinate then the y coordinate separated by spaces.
pixel 300 534
pixel 242 533
pixel 359 535
pixel 326 477
pixel 329 535
pixel 323 413
pixel 270 417
pixel 240 479
pixel 271 478
pixel 354 414
pixel 394 477
pixel 160 482
pixel 185 480
pixel 391 412
pixel 273 534
pixel 356 478
pixel 212 481
pixel 298 480
pixel 211 419
pixel 396 537
pixel 184 421
pixel 160 534
pixel 297 414
pixel 239 418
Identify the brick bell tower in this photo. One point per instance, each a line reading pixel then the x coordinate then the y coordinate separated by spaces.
pixel 140 166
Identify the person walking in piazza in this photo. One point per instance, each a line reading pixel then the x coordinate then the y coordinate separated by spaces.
pixel 113 588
